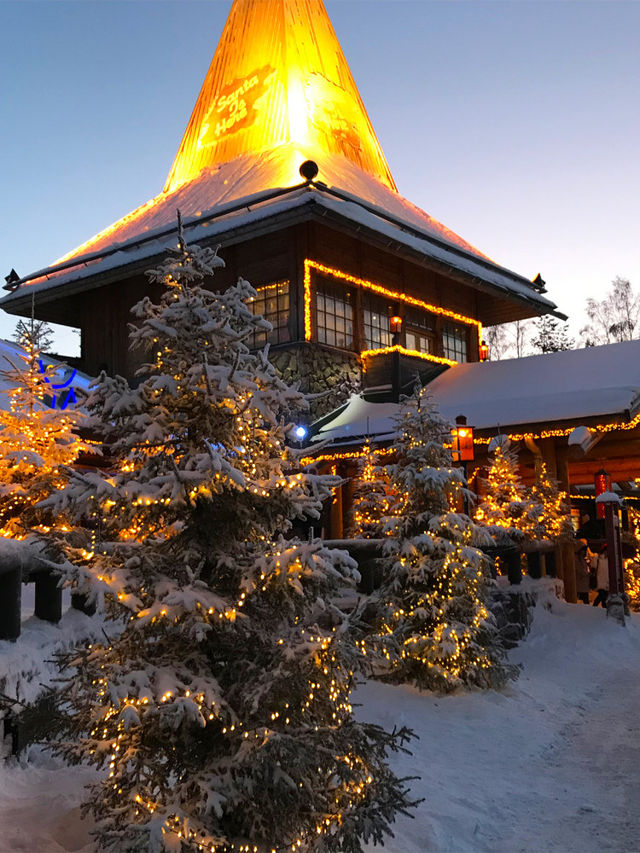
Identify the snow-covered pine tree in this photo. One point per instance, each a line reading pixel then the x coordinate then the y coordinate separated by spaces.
pixel 36 441
pixel 506 508
pixel 221 711
pixel 373 499
pixel 433 628
pixel 553 520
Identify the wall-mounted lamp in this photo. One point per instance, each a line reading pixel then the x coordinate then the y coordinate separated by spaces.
pixel 395 325
pixel 462 441
pixel 483 351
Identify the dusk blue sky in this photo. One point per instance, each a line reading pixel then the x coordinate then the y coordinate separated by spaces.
pixel 517 124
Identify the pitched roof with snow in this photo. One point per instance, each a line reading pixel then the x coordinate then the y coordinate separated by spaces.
pixel 556 387
pixel 278 92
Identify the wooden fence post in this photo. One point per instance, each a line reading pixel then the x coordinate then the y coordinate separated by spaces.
pixel 48 596
pixel 10 603
pixel 533 564
pixel 512 562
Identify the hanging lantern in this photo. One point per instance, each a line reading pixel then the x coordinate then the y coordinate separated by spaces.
pixel 395 324
pixel 483 351
pixel 602 482
pixel 462 441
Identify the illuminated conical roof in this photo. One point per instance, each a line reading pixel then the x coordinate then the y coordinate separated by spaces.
pixel 278 92
pixel 278 77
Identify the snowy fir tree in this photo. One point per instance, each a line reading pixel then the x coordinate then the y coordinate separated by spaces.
pixel 506 508
pixel 553 519
pixel 432 625
pixel 373 499
pixel 220 710
pixel 36 441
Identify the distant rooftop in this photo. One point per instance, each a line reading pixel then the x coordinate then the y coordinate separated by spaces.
pixel 567 387
pixel 64 385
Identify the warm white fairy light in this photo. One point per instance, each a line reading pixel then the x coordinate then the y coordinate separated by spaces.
pixel 191 558
pixel 36 442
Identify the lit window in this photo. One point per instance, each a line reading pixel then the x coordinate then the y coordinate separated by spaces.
pixel 334 316
pixel 454 342
pixel 377 332
pixel 272 302
pixel 420 332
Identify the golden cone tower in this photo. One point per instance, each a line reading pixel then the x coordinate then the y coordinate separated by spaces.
pixel 278 92
pixel 278 78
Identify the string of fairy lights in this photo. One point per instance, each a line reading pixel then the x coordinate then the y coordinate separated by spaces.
pixel 253 451
pixel 632 563
pixel 371 353
pixel 373 500
pixel 540 512
pixel 374 287
pixel 433 619
pixel 37 443
pixel 331 685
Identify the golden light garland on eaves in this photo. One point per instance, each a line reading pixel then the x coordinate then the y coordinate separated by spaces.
pixel 565 431
pixel 414 353
pixel 548 433
pixel 350 454
pixel 512 436
pixel 375 288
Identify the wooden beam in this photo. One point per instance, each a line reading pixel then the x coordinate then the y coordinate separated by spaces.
pixel 581 473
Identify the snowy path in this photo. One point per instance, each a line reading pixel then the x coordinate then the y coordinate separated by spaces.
pixel 584 793
pixel 552 765
pixel 39 810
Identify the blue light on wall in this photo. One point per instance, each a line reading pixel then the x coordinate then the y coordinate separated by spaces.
pixel 68 395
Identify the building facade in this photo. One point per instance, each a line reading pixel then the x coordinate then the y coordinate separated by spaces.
pixel 334 251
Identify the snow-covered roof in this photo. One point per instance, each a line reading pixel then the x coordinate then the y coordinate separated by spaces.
pixel 383 212
pixel 541 389
pixel 278 92
pixel 67 379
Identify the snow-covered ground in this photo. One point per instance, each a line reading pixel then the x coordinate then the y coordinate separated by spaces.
pixel 550 764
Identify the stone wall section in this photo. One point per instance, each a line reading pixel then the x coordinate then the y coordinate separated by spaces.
pixel 330 374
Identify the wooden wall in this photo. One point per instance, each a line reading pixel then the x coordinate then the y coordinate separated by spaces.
pixel 103 314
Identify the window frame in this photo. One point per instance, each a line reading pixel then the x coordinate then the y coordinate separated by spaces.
pixel 459 335
pixel 332 295
pixel 280 319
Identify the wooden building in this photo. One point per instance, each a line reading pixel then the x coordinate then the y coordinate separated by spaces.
pixel 578 411
pixel 334 252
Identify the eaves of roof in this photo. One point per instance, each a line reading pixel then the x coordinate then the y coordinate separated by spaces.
pixel 266 213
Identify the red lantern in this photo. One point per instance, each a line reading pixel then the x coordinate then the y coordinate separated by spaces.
pixel 462 441
pixel 483 351
pixel 602 482
pixel 395 324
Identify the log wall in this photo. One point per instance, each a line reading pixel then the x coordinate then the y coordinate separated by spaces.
pixel 103 314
